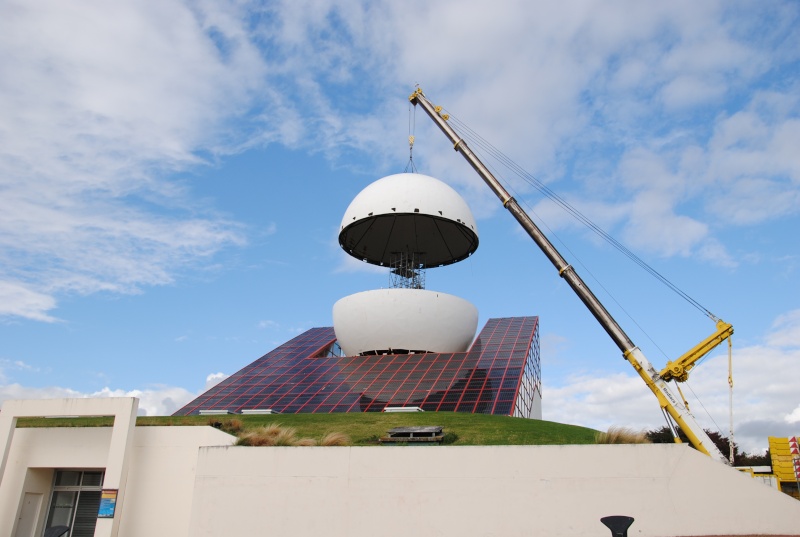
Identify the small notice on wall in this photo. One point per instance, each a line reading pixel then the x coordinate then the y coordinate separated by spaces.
pixel 108 503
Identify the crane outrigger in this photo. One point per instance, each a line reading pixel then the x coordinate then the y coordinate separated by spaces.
pixel 676 370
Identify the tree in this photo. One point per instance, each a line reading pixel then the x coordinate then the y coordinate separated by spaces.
pixel 663 435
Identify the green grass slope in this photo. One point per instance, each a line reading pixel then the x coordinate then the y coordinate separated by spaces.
pixel 366 428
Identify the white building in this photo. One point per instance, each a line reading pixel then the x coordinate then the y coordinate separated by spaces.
pixel 182 481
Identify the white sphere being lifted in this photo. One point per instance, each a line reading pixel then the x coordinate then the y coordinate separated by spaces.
pixel 409 213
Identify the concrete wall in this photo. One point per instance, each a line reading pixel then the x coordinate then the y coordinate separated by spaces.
pixel 160 477
pixel 45 449
pixel 191 481
pixel 502 490
pixel 32 510
pixel 117 452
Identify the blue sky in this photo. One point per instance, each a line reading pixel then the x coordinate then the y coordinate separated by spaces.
pixel 173 175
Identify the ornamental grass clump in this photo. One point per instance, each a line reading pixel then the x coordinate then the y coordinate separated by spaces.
pixel 622 435
pixel 263 436
pixel 335 439
pixel 287 436
pixel 277 435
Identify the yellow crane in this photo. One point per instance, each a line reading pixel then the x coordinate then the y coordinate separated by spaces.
pixel 676 370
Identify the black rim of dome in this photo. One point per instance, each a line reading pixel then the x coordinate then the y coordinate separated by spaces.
pixel 466 231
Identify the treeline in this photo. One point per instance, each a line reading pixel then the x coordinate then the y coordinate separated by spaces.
pixel 740 458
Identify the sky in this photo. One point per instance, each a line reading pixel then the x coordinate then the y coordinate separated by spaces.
pixel 173 176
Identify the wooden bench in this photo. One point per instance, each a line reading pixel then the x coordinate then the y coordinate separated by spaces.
pixel 431 434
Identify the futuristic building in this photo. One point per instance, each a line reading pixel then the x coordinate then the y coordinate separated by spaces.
pixel 499 374
pixel 405 347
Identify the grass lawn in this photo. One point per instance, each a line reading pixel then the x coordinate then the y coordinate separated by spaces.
pixel 365 428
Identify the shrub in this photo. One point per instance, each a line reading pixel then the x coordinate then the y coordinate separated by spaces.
pixel 231 426
pixel 449 438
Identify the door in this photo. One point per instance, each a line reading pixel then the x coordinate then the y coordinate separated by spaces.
pixel 29 514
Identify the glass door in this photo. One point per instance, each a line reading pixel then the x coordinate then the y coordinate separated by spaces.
pixel 75 501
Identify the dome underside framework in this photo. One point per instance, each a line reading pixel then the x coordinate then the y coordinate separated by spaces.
pixel 435 241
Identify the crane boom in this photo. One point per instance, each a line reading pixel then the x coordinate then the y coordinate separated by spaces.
pixel 668 402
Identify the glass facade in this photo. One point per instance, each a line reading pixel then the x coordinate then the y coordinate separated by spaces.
pixel 499 374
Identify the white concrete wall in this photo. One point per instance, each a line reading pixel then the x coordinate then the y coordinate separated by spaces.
pixel 32 513
pixel 161 479
pixel 503 490
pixel 46 449
pixel 123 409
pixel 176 487
pixel 160 476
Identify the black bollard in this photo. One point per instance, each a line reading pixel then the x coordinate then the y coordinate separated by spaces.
pixel 618 524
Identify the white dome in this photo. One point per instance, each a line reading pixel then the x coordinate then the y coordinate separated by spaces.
pixel 402 320
pixel 409 213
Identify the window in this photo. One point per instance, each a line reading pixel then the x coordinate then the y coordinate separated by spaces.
pixel 75 501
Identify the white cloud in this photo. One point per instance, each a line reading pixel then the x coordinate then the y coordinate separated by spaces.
pixel 156 401
pixel 685 91
pixel 17 300
pixel 653 225
pixel 14 365
pixel 793 417
pixel 714 251
pixel 100 103
pixel 740 172
pixel 215 378
pixel 785 331
pixel 633 69
pixel 755 174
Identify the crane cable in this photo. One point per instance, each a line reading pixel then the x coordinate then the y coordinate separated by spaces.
pixel 477 140
pixel 586 269
pixel 730 396
pixel 412 125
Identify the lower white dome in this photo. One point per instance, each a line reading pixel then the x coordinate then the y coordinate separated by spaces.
pixel 398 321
